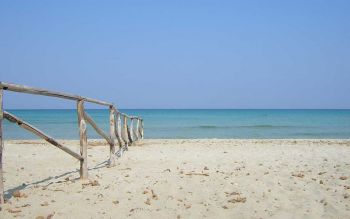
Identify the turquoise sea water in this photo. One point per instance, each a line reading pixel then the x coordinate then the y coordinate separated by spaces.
pixel 62 124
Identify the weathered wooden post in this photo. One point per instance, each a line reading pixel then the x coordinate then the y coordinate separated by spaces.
pixel 129 134
pixel 112 135
pixel 117 127
pixel 125 132
pixel 1 149
pixel 119 130
pixel 137 129
pixel 119 134
pixel 131 129
pixel 83 140
pixel 142 129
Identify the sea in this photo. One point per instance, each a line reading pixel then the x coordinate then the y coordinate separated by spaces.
pixel 194 123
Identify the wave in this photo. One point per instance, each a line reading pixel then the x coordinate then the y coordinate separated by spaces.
pixel 209 126
pixel 245 126
pixel 267 126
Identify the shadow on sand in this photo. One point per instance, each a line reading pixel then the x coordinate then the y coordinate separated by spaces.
pixel 9 192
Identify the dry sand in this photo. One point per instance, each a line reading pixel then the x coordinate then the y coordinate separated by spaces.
pixel 181 179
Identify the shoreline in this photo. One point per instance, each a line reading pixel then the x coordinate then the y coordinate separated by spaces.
pixel 181 178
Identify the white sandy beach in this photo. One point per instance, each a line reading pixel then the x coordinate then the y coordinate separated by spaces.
pixel 181 179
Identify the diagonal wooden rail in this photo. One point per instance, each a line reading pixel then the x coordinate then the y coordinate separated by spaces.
pixel 40 134
pixel 120 130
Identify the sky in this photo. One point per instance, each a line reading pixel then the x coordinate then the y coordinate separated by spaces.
pixel 179 54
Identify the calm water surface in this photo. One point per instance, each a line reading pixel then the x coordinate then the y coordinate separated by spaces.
pixel 196 123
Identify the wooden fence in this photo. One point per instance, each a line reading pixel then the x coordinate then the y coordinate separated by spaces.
pixel 122 130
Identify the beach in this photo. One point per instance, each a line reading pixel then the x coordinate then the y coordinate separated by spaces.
pixel 180 178
pixel 175 109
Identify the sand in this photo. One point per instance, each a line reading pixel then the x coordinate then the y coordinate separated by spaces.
pixel 181 179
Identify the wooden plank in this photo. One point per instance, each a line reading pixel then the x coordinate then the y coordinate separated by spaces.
pixel 44 92
pixel 125 130
pixel 112 136
pixel 119 130
pixel 1 150
pixel 38 91
pixel 137 129
pixel 134 133
pixel 119 135
pixel 97 129
pixel 40 134
pixel 124 115
pixel 141 131
pixel 128 116
pixel 83 140
pixel 131 134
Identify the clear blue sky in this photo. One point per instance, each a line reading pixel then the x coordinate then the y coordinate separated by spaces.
pixel 179 54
